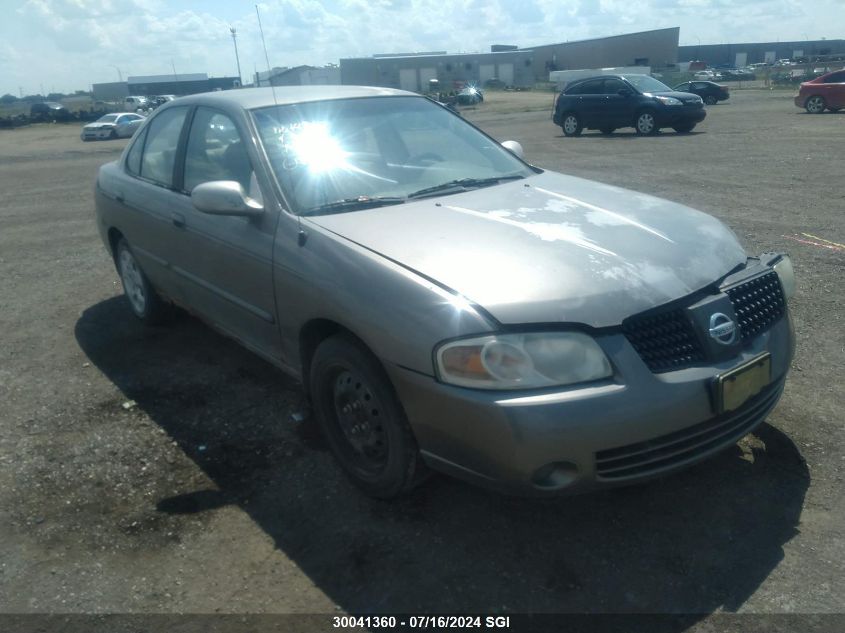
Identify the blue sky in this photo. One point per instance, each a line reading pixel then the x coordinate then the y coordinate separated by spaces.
pixel 64 45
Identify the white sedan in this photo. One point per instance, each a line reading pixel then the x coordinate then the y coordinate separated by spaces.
pixel 115 125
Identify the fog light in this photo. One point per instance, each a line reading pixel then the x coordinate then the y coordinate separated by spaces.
pixel 555 475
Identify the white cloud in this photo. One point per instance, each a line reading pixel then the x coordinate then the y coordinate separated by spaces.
pixel 81 41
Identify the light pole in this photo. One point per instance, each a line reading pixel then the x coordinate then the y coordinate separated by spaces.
pixel 237 58
pixel 119 74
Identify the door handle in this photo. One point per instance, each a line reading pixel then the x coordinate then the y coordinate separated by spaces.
pixel 119 197
pixel 178 220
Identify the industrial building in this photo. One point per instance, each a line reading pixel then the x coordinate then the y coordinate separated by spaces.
pixel 512 66
pixel 739 55
pixel 656 49
pixel 299 76
pixel 178 85
pixel 414 72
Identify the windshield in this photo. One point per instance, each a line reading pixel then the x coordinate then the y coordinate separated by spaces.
pixel 644 83
pixel 108 118
pixel 377 149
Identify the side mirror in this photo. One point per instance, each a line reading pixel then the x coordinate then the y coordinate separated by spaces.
pixel 624 92
pixel 514 148
pixel 224 197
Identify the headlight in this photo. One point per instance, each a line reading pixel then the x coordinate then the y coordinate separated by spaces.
pixel 787 276
pixel 671 101
pixel 521 361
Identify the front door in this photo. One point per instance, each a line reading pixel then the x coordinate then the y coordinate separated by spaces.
pixel 224 263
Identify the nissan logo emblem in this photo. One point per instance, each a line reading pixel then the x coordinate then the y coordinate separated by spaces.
pixel 722 328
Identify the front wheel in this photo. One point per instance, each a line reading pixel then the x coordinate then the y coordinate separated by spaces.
pixel 362 419
pixel 646 123
pixel 607 130
pixel 571 125
pixel 113 134
pixel 815 105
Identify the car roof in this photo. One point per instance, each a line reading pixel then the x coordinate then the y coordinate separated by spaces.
pixel 252 98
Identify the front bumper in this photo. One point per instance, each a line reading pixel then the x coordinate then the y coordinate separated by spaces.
pixel 675 115
pixel 633 427
pixel 799 101
pixel 96 134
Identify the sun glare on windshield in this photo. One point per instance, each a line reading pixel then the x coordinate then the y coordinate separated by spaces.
pixel 312 145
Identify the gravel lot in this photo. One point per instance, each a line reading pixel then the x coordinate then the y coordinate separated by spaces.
pixel 156 471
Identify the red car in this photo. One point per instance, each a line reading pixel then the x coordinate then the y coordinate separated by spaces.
pixel 827 91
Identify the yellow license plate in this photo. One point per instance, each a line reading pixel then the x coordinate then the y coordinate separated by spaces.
pixel 733 388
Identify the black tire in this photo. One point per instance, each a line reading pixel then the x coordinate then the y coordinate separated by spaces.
pixel 834 109
pixel 142 298
pixel 684 129
pixel 113 134
pixel 607 130
pixel 571 124
pixel 710 100
pixel 362 419
pixel 646 123
pixel 815 104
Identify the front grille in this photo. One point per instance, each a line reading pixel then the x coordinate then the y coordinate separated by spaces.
pixel 664 341
pixel 758 304
pixel 652 456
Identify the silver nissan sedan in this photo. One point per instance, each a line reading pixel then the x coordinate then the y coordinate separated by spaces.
pixel 447 305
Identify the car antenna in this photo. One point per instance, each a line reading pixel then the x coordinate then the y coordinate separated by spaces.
pixel 302 236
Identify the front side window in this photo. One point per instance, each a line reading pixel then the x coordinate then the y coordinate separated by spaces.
pixel 160 149
pixel 385 148
pixel 215 151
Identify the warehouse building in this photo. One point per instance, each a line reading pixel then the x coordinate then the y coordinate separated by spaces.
pixel 739 55
pixel 299 76
pixel 656 49
pixel 179 85
pixel 414 71
pixel 511 66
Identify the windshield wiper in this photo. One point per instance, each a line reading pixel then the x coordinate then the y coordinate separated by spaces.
pixel 463 184
pixel 353 204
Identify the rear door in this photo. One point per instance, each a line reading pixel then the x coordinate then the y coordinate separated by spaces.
pixel 145 193
pixel 616 109
pixel 224 263
pixel 833 90
pixel 592 103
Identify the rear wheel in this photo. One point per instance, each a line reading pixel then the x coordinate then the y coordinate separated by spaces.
pixel 684 129
pixel 607 130
pixel 362 419
pixel 646 123
pixel 834 109
pixel 571 124
pixel 710 100
pixel 143 299
pixel 815 105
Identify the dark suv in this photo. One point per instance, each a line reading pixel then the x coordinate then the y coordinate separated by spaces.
pixel 613 101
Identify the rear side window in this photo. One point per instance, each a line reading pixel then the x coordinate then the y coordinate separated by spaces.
pixel 133 159
pixel 160 148
pixel 682 87
pixel 613 86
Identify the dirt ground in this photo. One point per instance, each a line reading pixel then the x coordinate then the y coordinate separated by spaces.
pixel 157 471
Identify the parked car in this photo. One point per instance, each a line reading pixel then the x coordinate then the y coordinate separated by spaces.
pixel 48 111
pixel 825 92
pixel 469 95
pixel 704 75
pixel 114 125
pixel 444 303
pixel 734 74
pixel 609 102
pixel 136 104
pixel 710 92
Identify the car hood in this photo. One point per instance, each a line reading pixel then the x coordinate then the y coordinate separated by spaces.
pixel 97 124
pixel 685 97
pixel 551 248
